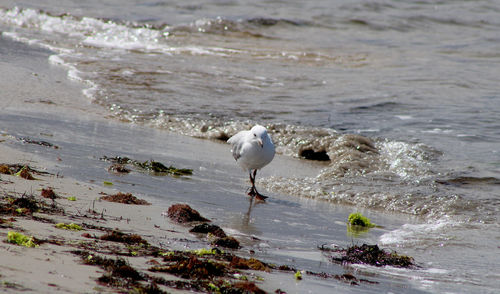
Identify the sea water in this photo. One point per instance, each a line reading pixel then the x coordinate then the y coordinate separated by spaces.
pixel 399 98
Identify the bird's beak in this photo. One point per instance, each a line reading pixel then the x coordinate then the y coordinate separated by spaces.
pixel 260 143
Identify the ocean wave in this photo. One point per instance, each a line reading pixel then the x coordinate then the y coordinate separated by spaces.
pixel 85 30
pixel 245 27
pixel 66 31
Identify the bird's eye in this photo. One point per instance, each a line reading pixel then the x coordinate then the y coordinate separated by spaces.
pixel 255 135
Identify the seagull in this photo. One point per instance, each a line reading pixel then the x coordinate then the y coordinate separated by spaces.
pixel 252 150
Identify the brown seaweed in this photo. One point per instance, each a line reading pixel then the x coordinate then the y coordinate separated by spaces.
pixel 183 213
pixel 48 193
pixel 117 236
pixel 372 255
pixel 38 142
pixel 125 198
pixel 206 228
pixel 227 242
pixel 155 167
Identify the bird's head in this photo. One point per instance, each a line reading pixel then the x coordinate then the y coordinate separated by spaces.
pixel 260 134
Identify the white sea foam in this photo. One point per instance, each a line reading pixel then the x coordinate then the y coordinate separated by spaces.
pixel 75 74
pixel 87 30
pixel 412 234
pixel 408 161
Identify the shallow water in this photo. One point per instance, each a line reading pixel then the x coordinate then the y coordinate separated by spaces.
pixel 401 96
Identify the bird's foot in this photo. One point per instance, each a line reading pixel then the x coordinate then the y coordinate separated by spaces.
pixel 260 197
pixel 253 193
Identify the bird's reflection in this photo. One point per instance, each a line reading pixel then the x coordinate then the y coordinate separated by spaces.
pixel 246 218
pixel 244 223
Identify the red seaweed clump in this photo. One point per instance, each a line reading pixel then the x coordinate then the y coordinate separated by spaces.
pixel 251 263
pixel 192 268
pixel 48 193
pixel 247 287
pixel 125 198
pixel 183 213
pixel 117 236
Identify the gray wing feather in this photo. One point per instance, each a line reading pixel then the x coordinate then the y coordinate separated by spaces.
pixel 237 150
pixel 237 142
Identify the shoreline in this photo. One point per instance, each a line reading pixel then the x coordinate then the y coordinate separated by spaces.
pixel 77 171
pixel 54 267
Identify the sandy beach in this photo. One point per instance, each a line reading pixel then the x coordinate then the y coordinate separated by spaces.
pixel 136 104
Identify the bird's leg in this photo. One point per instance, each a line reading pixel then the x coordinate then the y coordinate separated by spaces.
pixel 252 181
pixel 253 191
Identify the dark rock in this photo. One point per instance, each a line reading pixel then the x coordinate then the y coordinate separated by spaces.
pixel 314 155
pixel 227 242
pixel 206 228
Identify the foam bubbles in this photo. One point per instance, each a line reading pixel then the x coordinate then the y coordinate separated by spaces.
pixel 432 233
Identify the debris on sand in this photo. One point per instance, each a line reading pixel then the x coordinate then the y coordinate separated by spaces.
pixel 250 263
pixel 347 278
pixel 117 236
pixel 192 267
pixel 125 198
pixel 25 205
pixel 4 169
pixel 227 242
pixel 158 167
pixel 48 193
pixel 370 254
pixel 25 174
pixel 183 213
pixel 16 169
pixel 118 169
pixel 118 272
pixel 70 227
pixel 206 228
pixel 38 142
pixel 21 240
pixel 155 167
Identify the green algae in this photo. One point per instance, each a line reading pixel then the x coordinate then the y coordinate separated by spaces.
pixel 357 219
pixel 71 227
pixel 21 240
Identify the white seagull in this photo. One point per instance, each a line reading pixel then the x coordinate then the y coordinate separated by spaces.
pixel 252 150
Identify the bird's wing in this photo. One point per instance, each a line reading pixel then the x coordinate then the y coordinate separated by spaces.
pixel 237 142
